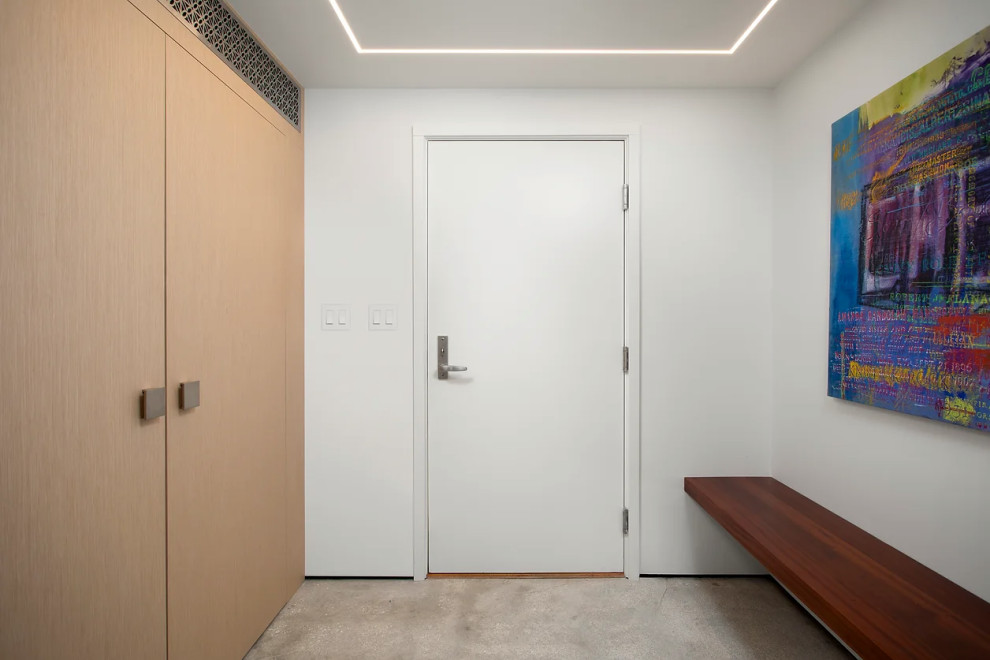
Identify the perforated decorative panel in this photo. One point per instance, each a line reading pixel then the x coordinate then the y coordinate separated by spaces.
pixel 219 28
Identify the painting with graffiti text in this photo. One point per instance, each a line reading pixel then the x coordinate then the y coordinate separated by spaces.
pixel 910 271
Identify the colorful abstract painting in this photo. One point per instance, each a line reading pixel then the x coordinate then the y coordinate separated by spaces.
pixel 910 272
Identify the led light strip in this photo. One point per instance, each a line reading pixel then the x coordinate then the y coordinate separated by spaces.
pixel 540 51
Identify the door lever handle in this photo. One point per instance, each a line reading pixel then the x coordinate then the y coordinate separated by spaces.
pixel 442 367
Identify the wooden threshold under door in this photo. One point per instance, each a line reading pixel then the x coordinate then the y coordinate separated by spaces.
pixel 522 576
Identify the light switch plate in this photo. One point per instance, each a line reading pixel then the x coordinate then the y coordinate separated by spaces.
pixel 383 317
pixel 335 317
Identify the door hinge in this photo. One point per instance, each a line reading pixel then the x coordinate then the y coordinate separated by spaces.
pixel 625 522
pixel 625 359
pixel 625 197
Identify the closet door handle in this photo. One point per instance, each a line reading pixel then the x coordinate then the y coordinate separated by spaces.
pixel 189 395
pixel 153 403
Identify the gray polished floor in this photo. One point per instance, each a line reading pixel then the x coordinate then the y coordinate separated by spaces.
pixel 651 618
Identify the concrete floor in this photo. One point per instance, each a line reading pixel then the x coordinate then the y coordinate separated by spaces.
pixel 514 619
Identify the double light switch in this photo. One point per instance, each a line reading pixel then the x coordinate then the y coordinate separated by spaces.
pixel 336 317
pixel 380 317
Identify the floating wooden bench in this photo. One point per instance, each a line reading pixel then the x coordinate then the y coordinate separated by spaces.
pixel 877 600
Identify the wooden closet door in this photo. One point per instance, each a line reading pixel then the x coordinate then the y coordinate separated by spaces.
pixel 82 331
pixel 225 328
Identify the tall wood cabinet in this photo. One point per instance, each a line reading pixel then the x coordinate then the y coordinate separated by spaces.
pixel 226 328
pixel 150 235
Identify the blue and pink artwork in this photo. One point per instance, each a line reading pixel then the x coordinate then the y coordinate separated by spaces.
pixel 910 272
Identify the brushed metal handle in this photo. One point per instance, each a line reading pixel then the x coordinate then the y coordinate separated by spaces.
pixel 442 367
pixel 153 403
pixel 189 395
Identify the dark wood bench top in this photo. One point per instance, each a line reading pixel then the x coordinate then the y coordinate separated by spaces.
pixel 879 601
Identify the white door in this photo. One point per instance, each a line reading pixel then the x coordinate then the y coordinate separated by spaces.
pixel 526 250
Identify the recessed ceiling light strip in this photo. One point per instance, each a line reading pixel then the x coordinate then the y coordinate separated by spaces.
pixel 347 26
pixel 749 30
pixel 541 51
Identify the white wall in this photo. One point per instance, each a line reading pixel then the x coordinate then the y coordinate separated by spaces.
pixel 922 486
pixel 706 241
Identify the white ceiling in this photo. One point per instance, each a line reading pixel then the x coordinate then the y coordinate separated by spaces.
pixel 310 41
pixel 616 24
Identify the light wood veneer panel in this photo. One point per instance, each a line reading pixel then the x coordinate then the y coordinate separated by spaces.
pixel 225 292
pixel 292 207
pixel 82 480
pixel 290 192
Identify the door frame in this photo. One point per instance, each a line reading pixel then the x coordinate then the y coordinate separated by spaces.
pixel 421 137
